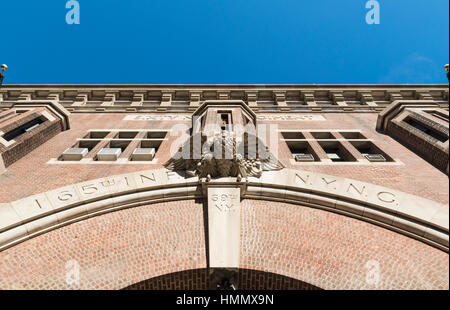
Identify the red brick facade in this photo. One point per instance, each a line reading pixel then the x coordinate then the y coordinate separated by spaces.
pixel 165 245
pixel 412 174
pixel 120 249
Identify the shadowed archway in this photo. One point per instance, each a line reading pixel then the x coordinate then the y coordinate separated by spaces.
pixel 198 279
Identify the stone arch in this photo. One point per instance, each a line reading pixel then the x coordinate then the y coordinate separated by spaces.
pixel 410 215
pixel 198 279
pixel 280 241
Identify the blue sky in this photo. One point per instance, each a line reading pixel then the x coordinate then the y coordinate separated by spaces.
pixel 224 41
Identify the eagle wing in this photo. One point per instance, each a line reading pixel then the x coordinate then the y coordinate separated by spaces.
pixel 179 162
pixel 255 167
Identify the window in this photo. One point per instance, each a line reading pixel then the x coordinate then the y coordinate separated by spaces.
pixel 126 134
pixel 438 114
pixel 302 151
pixel 352 135
pixel 13 134
pixel 429 131
pixel 292 135
pixel 371 152
pixel 336 151
pixel 226 122
pixel 122 146
pixel 323 147
pixel 322 135
pixel 97 134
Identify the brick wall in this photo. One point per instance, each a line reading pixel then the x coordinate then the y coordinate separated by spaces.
pixel 427 147
pixel 412 174
pixel 30 140
pixel 161 241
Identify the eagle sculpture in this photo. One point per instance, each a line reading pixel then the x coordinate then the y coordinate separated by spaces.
pixel 222 155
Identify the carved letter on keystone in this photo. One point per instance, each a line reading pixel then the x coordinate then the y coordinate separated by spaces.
pixel 224 215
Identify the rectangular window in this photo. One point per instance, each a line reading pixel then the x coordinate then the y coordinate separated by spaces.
pixel 96 135
pixel 336 148
pixel 156 134
pixel 13 134
pixel 292 135
pixel 126 135
pixel 145 145
pixel 88 144
pixel 322 135
pixel 119 144
pixel 352 135
pixel 336 151
pixel 438 114
pixel 226 122
pixel 302 151
pixel 371 152
pixel 429 131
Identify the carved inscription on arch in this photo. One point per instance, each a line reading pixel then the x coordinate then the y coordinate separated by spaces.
pixel 225 202
pixel 345 187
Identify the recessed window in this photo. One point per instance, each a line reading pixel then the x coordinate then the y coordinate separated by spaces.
pixel 292 135
pixel 126 134
pixel 119 144
pixel 352 135
pixel 305 150
pixel 140 146
pixel 322 135
pixel 371 152
pixel 225 120
pixel 89 144
pixel 438 114
pixel 302 151
pixel 13 134
pixel 429 131
pixel 336 151
pixel 96 134
pixel 156 134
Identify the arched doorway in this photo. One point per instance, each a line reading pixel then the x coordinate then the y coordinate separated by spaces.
pixel 199 279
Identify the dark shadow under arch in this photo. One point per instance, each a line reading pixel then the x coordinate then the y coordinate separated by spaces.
pixel 198 279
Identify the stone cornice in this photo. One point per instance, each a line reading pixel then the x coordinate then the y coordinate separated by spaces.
pixel 223 86
pixel 187 98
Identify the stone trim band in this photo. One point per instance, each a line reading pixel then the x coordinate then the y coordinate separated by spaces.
pixel 413 216
pixel 187 98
